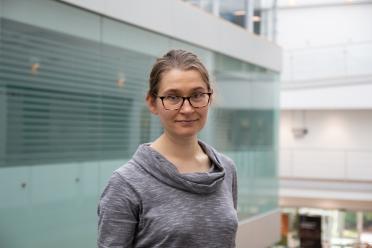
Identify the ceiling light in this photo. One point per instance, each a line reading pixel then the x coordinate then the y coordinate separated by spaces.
pixel 121 79
pixel 256 18
pixel 239 12
pixel 292 2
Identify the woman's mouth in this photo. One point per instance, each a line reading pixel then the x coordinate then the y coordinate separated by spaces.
pixel 186 121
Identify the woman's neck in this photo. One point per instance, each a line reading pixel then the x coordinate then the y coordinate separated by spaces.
pixel 172 147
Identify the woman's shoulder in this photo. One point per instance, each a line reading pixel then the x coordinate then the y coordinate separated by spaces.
pixel 129 172
pixel 126 182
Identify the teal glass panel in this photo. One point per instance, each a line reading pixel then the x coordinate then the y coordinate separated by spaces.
pixel 70 116
pixel 245 120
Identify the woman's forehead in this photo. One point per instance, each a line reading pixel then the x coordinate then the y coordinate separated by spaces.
pixel 179 80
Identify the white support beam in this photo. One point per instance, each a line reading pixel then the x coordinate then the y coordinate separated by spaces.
pixel 188 23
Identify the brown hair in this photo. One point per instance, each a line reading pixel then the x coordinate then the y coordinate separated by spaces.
pixel 175 59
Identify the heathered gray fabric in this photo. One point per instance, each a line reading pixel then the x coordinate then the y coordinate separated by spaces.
pixel 148 203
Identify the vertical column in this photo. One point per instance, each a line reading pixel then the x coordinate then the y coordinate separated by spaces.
pixel 359 224
pixel 341 223
pixel 249 9
pixel 268 21
pixel 216 7
pixel 274 21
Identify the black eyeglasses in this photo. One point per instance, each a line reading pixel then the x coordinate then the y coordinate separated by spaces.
pixel 196 100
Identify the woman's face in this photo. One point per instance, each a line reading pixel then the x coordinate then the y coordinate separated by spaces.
pixel 186 121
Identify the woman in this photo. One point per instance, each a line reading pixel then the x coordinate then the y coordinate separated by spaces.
pixel 176 191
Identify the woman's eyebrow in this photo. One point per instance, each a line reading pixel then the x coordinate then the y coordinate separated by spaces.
pixel 198 88
pixel 176 91
pixel 171 91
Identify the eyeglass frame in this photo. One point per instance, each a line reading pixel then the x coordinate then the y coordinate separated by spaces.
pixel 183 100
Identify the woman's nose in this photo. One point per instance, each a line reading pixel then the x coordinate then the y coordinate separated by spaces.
pixel 187 107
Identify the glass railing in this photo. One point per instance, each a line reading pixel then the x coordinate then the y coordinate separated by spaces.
pixel 257 16
pixel 327 63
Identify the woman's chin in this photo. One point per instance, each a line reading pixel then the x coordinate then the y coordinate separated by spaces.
pixel 185 133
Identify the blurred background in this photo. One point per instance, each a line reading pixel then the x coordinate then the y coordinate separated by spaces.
pixel 293 108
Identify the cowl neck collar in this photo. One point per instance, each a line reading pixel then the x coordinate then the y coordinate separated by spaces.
pixel 159 167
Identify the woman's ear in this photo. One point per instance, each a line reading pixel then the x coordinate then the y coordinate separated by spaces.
pixel 151 104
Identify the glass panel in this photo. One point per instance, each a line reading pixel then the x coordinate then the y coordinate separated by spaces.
pixel 66 101
pixel 244 123
pixel 69 114
pixel 263 18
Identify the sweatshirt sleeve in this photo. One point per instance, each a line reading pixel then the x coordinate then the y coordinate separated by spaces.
pixel 118 212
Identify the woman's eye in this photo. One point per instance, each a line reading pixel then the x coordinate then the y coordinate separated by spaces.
pixel 197 95
pixel 172 98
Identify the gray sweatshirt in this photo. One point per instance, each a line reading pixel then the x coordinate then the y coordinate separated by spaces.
pixel 148 203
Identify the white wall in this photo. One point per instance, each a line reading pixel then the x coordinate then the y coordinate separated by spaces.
pixel 331 166
pixel 338 145
pixel 328 129
pixel 327 55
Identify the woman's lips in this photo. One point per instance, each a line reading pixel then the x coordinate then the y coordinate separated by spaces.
pixel 186 121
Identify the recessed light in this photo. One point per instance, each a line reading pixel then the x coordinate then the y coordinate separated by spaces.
pixel 239 12
pixel 256 18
